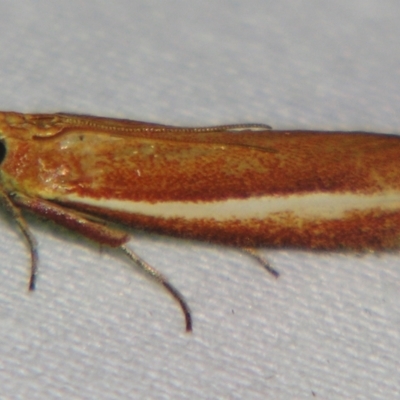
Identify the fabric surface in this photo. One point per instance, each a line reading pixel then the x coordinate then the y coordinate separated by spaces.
pixel 95 328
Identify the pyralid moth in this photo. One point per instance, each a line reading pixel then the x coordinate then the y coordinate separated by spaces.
pixel 239 185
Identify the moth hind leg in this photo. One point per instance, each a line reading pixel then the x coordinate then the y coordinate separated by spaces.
pixel 261 260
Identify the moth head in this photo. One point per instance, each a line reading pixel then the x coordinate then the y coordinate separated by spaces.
pixel 3 150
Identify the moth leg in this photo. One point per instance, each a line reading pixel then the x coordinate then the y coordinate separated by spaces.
pixel 157 276
pixel 98 232
pixel 261 260
pixel 23 226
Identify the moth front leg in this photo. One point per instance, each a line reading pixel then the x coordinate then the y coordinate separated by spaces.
pixel 96 231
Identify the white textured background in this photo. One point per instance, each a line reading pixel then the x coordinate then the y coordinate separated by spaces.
pixel 329 327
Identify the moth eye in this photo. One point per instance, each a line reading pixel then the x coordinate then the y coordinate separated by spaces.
pixel 2 151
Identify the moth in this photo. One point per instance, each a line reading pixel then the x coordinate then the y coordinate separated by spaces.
pixel 247 186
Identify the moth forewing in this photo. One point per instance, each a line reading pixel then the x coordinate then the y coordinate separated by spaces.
pixel 239 185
